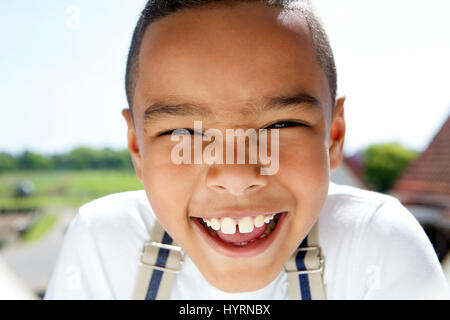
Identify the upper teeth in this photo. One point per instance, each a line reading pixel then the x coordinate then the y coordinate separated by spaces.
pixel 228 225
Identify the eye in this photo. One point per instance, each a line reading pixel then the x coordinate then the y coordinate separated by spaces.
pixel 285 124
pixel 178 131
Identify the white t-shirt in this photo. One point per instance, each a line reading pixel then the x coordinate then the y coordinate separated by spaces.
pixel 374 249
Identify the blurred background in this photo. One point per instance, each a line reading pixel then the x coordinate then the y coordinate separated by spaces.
pixel 63 140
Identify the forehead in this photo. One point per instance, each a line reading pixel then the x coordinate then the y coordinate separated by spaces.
pixel 227 57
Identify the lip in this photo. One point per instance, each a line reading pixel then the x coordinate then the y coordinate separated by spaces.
pixel 249 250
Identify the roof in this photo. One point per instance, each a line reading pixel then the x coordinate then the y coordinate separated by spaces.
pixel 427 179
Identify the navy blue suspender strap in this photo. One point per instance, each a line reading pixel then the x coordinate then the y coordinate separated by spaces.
pixel 159 264
pixel 305 269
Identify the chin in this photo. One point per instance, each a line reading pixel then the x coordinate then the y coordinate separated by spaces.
pixel 237 280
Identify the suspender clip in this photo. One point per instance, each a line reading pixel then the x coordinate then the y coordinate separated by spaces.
pixel 159 245
pixel 321 260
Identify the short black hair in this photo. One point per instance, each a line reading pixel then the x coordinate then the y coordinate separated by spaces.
pixel 157 9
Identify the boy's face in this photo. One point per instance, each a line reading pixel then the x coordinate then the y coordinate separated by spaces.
pixel 230 62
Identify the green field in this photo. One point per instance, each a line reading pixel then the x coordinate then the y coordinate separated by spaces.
pixel 64 188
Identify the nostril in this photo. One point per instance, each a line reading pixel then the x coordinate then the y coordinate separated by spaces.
pixel 235 190
pixel 217 186
pixel 235 179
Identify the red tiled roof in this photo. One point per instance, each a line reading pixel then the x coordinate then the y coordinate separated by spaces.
pixel 430 173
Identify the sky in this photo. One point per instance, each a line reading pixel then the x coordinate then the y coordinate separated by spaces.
pixel 62 66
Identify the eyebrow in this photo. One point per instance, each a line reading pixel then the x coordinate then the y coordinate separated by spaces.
pixel 299 100
pixel 181 110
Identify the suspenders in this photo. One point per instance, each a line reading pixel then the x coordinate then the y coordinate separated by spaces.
pixel 160 262
pixel 305 269
pixel 161 259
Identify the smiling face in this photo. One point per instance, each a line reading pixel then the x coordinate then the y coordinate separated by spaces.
pixel 246 66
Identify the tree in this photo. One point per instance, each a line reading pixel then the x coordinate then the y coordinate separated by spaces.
pixel 7 162
pixel 384 163
pixel 87 158
pixel 32 161
pixel 82 158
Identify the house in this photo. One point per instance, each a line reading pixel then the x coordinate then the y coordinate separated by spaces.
pixel 424 188
pixel 349 173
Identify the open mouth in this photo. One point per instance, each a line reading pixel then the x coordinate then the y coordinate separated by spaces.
pixel 242 233
pixel 246 236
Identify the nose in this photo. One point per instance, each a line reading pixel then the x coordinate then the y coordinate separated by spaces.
pixel 235 179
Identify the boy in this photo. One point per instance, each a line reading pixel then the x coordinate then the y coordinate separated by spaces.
pixel 263 65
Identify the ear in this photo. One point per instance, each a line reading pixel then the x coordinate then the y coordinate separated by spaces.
pixel 337 134
pixel 133 145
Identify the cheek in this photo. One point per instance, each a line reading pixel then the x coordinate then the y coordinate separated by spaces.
pixel 304 168
pixel 168 186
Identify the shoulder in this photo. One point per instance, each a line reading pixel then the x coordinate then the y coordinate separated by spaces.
pixel 370 214
pixel 103 243
pixel 351 194
pixel 350 210
pixel 115 224
pixel 125 210
pixel 382 248
pixel 116 202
